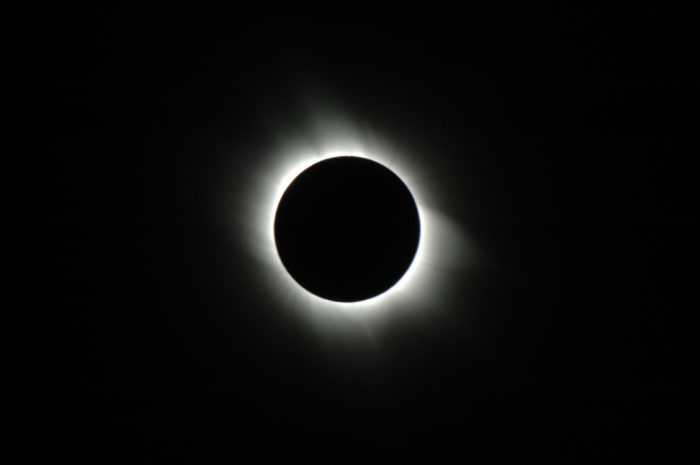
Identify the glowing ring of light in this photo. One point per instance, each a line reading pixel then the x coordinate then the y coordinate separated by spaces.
pixel 441 248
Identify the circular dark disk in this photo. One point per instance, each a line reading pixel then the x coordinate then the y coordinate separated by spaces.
pixel 347 229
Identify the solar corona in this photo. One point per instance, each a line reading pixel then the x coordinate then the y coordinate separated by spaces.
pixel 347 230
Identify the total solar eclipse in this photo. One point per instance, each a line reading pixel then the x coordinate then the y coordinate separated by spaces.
pixel 347 229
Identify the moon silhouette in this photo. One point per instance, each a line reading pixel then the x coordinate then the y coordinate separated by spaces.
pixel 347 229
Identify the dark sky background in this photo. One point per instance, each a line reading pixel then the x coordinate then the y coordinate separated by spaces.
pixel 560 135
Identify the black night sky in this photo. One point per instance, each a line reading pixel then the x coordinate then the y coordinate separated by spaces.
pixel 556 138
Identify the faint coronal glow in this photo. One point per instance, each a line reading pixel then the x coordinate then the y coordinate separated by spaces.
pixel 442 252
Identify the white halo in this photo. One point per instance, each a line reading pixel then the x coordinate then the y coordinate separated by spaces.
pixel 442 248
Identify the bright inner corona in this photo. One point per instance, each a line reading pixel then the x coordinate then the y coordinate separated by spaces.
pixel 423 287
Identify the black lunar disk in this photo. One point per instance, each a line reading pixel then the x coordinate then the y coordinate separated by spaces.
pixel 347 229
